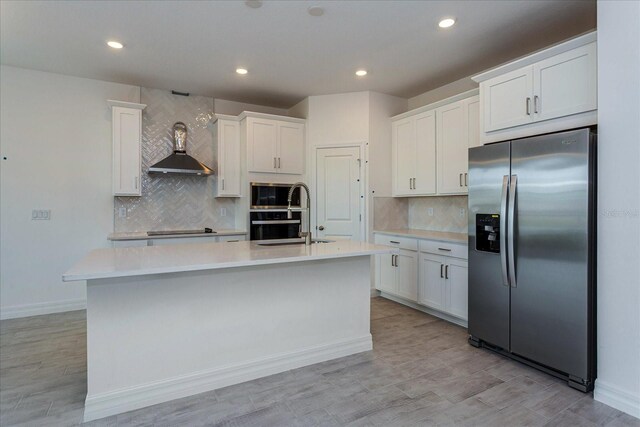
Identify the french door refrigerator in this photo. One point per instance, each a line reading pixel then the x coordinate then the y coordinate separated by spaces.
pixel 532 252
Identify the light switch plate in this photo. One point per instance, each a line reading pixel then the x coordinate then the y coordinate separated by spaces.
pixel 41 214
pixel 430 211
pixel 462 213
pixel 122 212
pixel 223 211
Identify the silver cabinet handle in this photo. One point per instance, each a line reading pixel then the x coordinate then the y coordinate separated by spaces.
pixel 397 257
pixel 278 162
pixel 223 183
pixel 460 180
pixel 512 212
pixel 414 183
pixel 392 257
pixel 446 271
pixel 410 187
pixel 274 163
pixel 503 229
pixel 441 267
pixel 535 104
pixel 444 249
pixel 466 179
pixel 393 241
pixel 528 106
pixel 135 182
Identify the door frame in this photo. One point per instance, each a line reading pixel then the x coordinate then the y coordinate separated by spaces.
pixel 364 183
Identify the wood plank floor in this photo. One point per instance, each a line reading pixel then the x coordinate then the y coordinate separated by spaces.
pixel 421 372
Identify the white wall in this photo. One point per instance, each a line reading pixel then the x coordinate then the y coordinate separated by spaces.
pixel 56 136
pixel 618 382
pixel 443 92
pixel 233 108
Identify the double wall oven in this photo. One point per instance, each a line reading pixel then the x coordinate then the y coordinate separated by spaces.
pixel 268 212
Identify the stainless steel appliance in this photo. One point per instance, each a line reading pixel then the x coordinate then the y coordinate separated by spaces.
pixel 532 252
pixel 269 215
pixel 180 162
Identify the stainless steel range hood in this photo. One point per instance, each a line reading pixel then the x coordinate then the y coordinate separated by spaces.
pixel 180 162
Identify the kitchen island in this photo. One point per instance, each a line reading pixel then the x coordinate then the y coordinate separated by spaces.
pixel 165 322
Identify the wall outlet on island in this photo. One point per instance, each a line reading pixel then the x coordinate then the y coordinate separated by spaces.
pixel 462 212
pixel 223 211
pixel 430 211
pixel 122 212
pixel 41 214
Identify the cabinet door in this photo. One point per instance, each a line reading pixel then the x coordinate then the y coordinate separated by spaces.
pixel 262 143
pixel 407 262
pixel 425 154
pixel 473 122
pixel 127 127
pixel 229 159
pixel 386 278
pixel 507 100
pixel 456 285
pixel 290 148
pixel 431 282
pixel 452 148
pixel 404 156
pixel 565 84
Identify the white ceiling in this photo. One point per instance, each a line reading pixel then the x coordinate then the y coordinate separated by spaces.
pixel 195 46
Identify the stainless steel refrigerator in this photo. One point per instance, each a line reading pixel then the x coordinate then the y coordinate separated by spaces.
pixel 532 252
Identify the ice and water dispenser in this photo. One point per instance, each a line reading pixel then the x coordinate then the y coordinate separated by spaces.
pixel 488 233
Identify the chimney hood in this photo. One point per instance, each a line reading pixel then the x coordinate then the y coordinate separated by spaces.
pixel 180 162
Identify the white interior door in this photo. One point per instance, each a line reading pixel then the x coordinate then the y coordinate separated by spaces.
pixel 338 198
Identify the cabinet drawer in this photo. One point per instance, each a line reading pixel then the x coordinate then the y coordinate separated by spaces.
pixel 445 249
pixel 396 241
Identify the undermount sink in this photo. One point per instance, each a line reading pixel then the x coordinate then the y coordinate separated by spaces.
pixel 301 242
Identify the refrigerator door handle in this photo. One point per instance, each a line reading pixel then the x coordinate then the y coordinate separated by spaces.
pixel 511 235
pixel 503 229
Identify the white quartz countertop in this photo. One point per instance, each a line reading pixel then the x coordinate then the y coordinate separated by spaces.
pixel 124 262
pixel 142 235
pixel 442 236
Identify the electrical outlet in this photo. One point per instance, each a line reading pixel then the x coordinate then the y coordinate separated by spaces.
pixel 122 212
pixel 41 214
pixel 430 211
pixel 223 211
pixel 462 212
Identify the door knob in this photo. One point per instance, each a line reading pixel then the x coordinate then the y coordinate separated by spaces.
pixel 321 228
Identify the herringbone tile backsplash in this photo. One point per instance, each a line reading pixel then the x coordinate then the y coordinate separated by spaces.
pixel 171 202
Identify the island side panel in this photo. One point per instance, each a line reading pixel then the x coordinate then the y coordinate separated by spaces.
pixel 159 337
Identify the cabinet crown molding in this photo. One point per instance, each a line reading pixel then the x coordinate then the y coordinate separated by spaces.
pixel 125 104
pixel 217 117
pixel 437 104
pixel 246 114
pixel 537 56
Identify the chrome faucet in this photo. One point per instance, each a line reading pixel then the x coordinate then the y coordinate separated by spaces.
pixel 307 234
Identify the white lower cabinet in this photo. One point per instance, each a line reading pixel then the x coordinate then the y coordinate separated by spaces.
pixel 443 284
pixel 429 273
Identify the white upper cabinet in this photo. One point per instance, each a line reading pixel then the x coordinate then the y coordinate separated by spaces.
pixel 226 140
pixel 414 155
pixel 126 140
pixel 551 90
pixel 458 130
pixel 274 144
pixel 291 148
pixel 507 100
pixel 565 84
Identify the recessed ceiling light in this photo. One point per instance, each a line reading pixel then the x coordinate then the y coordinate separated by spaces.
pixel 114 44
pixel 253 4
pixel 241 70
pixel 361 73
pixel 316 11
pixel 446 23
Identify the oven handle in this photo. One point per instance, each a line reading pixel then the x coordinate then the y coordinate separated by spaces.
pixel 277 221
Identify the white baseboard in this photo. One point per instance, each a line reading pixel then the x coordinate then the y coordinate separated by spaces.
pixel 106 404
pixel 26 310
pixel 617 398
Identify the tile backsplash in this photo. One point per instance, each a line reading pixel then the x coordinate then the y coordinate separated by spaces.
pixel 446 213
pixel 390 213
pixel 170 202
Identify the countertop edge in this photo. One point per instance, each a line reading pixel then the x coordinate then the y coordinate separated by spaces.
pixel 462 241
pixel 118 237
pixel 223 265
